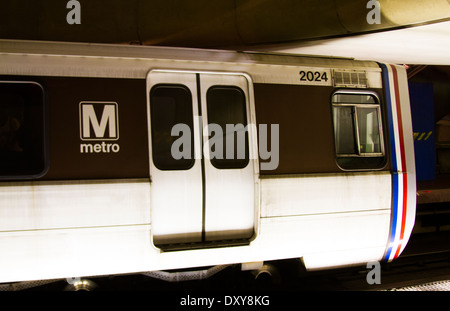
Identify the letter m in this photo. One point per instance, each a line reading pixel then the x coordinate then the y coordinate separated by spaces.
pixel 99 121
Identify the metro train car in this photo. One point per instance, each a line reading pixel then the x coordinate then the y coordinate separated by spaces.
pixel 119 159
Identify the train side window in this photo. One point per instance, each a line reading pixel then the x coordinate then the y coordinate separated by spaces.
pixel 358 130
pixel 227 108
pixel 170 105
pixel 22 130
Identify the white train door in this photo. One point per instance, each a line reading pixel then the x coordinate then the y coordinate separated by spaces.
pixel 203 159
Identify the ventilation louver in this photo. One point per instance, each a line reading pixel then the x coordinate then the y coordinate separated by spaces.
pixel 356 79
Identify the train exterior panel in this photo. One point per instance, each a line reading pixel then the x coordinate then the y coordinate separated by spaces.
pixel 126 159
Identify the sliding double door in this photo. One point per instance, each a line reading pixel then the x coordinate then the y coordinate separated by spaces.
pixel 202 159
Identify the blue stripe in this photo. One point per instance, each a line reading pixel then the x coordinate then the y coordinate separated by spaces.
pixel 395 181
pixel 390 117
pixel 388 254
pixel 395 202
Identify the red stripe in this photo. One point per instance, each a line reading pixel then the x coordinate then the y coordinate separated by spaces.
pixel 403 157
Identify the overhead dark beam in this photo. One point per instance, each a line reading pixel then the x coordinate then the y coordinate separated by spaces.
pixel 208 23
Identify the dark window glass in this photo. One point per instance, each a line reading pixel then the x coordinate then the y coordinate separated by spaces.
pixel 22 130
pixel 344 130
pixel 171 106
pixel 357 131
pixel 228 119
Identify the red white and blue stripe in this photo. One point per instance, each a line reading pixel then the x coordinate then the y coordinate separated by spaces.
pixel 400 169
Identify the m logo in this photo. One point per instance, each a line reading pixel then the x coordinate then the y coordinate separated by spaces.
pixel 99 121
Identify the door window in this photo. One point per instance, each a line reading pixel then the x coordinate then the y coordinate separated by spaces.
pixel 227 119
pixel 171 105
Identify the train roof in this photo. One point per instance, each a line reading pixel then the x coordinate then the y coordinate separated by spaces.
pixel 129 61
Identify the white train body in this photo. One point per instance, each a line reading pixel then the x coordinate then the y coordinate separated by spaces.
pixel 102 200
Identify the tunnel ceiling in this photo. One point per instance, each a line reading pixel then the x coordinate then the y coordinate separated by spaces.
pixel 208 23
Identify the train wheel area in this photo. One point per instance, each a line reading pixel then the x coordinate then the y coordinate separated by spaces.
pixel 423 266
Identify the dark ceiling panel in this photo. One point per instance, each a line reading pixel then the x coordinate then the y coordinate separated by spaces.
pixel 206 23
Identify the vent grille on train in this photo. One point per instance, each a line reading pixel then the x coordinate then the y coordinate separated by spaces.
pixel 350 79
